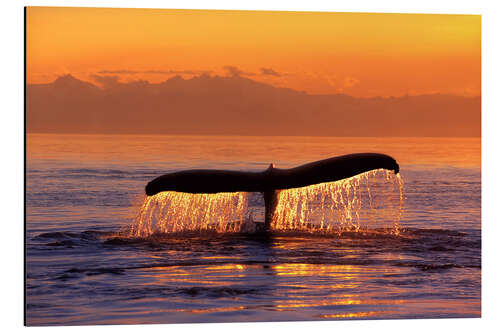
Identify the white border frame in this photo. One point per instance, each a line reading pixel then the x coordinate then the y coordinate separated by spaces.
pixel 13 161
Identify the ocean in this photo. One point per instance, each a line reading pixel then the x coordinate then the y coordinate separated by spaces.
pixel 84 265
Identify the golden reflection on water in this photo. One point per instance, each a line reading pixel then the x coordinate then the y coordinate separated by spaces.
pixel 179 275
pixel 301 269
pixel 343 278
pixel 356 314
pixel 228 267
pixel 335 288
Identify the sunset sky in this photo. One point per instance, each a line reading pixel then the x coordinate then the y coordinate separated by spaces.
pixel 363 55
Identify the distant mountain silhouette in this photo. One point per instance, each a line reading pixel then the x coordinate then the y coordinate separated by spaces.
pixel 235 105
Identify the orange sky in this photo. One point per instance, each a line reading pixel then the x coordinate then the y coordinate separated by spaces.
pixel 354 53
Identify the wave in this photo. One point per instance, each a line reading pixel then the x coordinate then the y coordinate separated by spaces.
pixel 409 239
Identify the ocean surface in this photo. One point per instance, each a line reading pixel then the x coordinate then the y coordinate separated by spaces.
pixel 83 266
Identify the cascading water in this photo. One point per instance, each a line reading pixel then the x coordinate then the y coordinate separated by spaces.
pixel 170 212
pixel 370 200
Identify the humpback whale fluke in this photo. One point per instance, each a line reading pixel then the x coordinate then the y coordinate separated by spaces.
pixel 270 181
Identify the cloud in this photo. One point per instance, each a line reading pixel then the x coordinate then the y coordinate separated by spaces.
pixel 235 71
pixel 350 82
pixel 269 71
pixel 230 71
pixel 120 71
pixel 154 71
pixel 106 81
pixel 314 81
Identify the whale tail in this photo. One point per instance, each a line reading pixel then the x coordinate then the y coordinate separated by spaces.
pixel 272 180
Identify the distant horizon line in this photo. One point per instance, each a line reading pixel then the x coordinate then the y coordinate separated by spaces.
pixel 248 135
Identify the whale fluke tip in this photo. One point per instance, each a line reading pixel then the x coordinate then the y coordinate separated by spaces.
pixel 396 169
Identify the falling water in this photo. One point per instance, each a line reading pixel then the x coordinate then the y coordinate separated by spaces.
pixel 370 200
pixel 169 212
